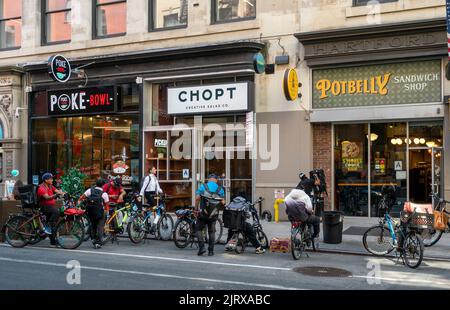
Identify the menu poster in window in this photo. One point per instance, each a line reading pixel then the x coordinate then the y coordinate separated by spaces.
pixel 352 156
pixel 380 166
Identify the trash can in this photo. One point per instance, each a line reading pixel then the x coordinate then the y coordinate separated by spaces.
pixel 332 226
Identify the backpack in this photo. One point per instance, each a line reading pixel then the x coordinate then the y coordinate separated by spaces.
pixel 209 207
pixel 319 174
pixel 94 204
pixel 296 211
pixel 28 196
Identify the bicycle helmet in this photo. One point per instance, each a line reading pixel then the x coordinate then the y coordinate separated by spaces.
pixel 47 176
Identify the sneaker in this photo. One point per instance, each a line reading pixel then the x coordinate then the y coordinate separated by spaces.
pixel 53 243
pixel 260 250
pixel 97 246
pixel 201 251
pixel 210 253
pixel 47 230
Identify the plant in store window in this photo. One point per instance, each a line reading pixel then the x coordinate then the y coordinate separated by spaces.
pixel 161 152
pixel 73 182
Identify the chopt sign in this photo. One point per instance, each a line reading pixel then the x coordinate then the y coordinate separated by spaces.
pixel 81 101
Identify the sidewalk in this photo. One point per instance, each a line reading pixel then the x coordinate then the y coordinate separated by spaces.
pixel 354 228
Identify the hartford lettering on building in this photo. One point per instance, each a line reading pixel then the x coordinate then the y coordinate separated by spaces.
pixel 209 98
pixel 81 101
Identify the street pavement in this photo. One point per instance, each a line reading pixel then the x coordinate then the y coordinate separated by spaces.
pixel 160 265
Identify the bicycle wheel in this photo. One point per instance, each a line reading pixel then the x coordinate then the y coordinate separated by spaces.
pixel 241 243
pixel 219 230
pixel 297 245
pixel 87 227
pixel 70 232
pixel 135 228
pixel 262 238
pixel 165 227
pixel 182 233
pixel 413 250
pixel 377 240
pixel 434 237
pixel 108 231
pixel 18 231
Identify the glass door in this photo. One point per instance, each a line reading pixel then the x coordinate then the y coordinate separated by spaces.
pixel 233 168
pixel 437 164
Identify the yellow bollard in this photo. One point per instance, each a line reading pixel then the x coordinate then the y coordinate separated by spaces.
pixel 276 208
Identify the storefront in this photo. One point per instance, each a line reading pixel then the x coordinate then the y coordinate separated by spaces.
pixel 187 111
pixel 383 114
pixel 200 127
pixel 95 129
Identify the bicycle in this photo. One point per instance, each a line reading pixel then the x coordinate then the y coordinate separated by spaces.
pixel 114 224
pixel 28 228
pixel 433 236
pixel 384 235
pixel 184 233
pixel 155 221
pixel 301 238
pixel 241 240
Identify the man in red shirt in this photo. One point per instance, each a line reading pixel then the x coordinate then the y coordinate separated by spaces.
pixel 115 191
pixel 46 194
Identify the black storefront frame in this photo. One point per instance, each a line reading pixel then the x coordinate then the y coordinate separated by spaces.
pixel 59 87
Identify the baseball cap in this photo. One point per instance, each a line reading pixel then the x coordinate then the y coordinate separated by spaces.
pixel 47 176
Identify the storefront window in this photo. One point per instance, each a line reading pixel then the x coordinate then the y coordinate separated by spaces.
pixel 98 145
pixel 159 105
pixel 111 18
pixel 10 23
pixel 168 13
pixel 229 10
pixel 388 166
pixel 351 174
pixel 57 21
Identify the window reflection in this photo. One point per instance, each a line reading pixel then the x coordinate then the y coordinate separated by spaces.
pixel 234 9
pixel 111 17
pixel 10 23
pixel 169 13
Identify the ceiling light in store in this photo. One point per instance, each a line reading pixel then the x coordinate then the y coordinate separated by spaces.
pixel 399 141
pixel 422 141
pixel 124 129
pixel 373 137
pixel 408 141
pixel 431 144
pixel 394 141
pixel 416 140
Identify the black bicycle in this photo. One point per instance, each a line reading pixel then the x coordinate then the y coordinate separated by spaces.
pixel 241 240
pixel 184 233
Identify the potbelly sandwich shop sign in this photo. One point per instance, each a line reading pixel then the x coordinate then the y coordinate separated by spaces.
pixel 385 84
pixel 210 98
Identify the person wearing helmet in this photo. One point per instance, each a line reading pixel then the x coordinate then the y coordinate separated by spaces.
pixel 115 191
pixel 208 209
pixel 46 194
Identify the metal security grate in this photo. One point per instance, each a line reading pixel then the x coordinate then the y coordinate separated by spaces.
pixel 323 272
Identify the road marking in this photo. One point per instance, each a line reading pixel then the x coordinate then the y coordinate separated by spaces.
pixel 160 275
pixel 419 281
pixel 165 258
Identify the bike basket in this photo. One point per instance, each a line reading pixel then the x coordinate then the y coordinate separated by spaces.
pixel 418 220
pixel 233 219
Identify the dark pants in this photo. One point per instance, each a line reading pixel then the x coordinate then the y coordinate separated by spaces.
pixel 52 215
pixel 200 225
pixel 249 232
pixel 97 226
pixel 314 221
pixel 150 198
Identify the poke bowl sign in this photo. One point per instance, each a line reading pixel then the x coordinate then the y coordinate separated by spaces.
pixel 59 68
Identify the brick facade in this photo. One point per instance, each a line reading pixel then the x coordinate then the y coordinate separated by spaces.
pixel 322 155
